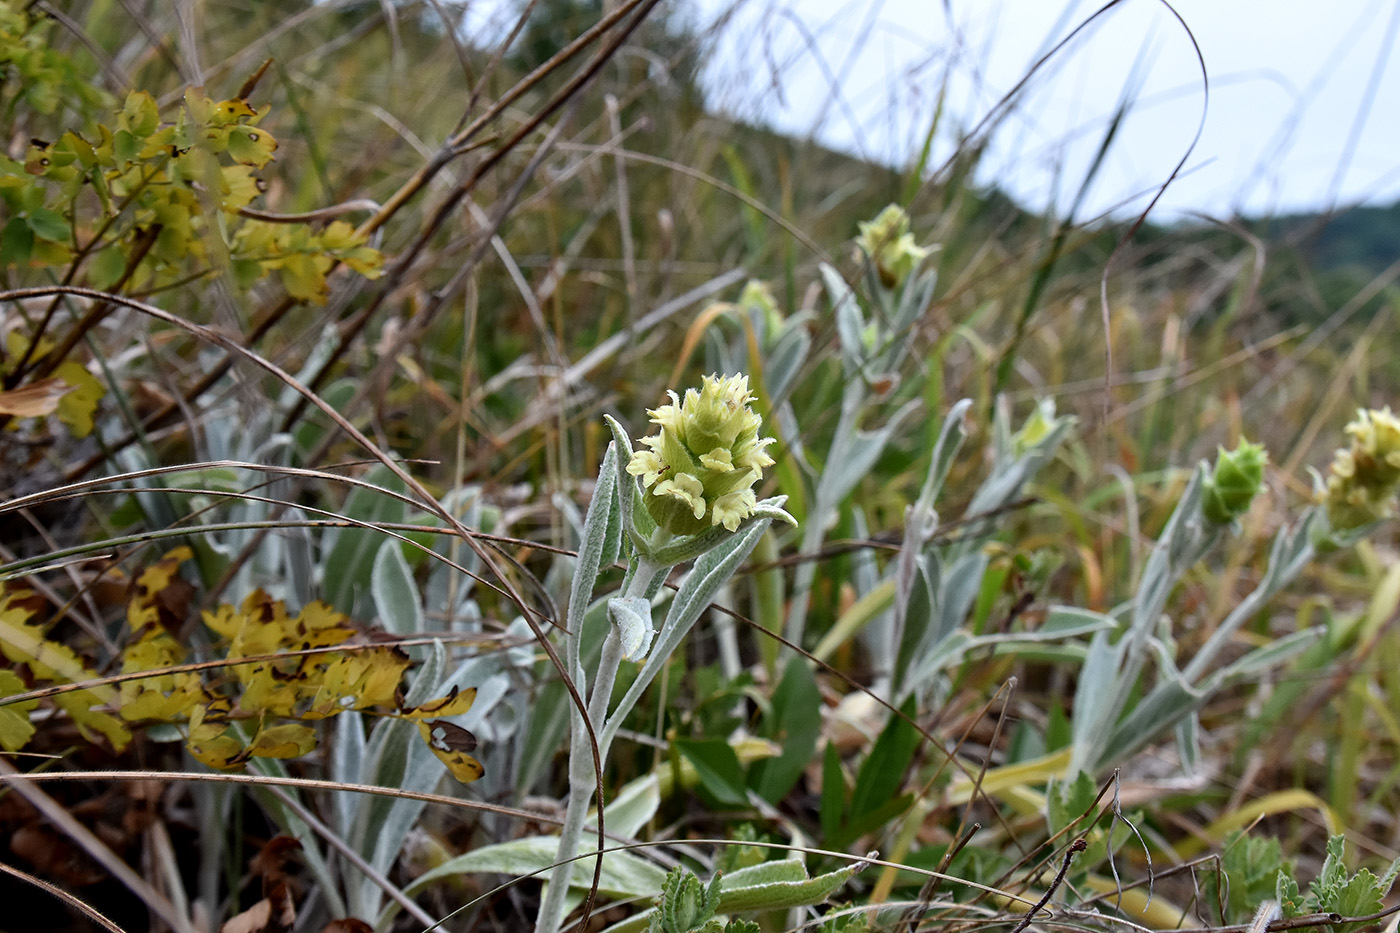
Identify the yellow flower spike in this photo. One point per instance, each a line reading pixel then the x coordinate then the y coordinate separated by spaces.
pixel 887 242
pixel 1363 479
pixel 699 470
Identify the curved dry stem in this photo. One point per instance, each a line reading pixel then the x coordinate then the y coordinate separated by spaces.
pixel 77 903
pixel 427 499
pixel 59 816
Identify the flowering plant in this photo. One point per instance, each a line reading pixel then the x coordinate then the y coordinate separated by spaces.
pixel 888 242
pixel 1361 484
pixel 700 468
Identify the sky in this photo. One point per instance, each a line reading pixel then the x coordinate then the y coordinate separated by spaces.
pixel 1303 110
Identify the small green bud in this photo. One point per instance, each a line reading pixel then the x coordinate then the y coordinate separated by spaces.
pixel 1362 481
pixel 758 296
pixel 1041 423
pixel 1236 480
pixel 887 242
pixel 699 470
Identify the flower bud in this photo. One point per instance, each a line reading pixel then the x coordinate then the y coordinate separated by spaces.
pixel 759 297
pixel 1236 480
pixel 699 470
pixel 887 242
pixel 1363 478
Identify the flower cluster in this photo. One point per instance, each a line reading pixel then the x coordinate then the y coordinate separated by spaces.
pixel 699 470
pixel 888 243
pixel 1363 479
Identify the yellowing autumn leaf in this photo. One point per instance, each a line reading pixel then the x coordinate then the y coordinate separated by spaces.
pixel 310 686
pixel 143 611
pixel 160 697
pixel 72 393
pixel 213 744
pixel 269 691
pixel 316 626
pixel 15 727
pixel 451 745
pixel 251 145
pixel 78 406
pixel 230 111
pixel 454 704
pixel 357 680
pixel 341 241
pixel 23 642
pixel 79 705
pixel 139 114
pixel 289 740
pixel 238 187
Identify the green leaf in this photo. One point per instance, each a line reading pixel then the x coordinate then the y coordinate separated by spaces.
pixel 1334 869
pixel 1252 868
pixel 882 772
pixel 737 894
pixel 1067 802
pixel 595 540
pixel 352 554
pixel 624 874
pixel 16 243
pixel 105 267
pixel 632 616
pixel 795 722
pixel 1058 729
pixel 1290 901
pixel 634 805
pixel 49 225
pixel 1357 897
pixel 1334 892
pixel 699 587
pixel 871 820
pixel 395 593
pixel 685 905
pixel 718 767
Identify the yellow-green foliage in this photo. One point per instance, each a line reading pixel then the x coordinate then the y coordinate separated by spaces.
pixel 24 644
pixel 46 80
pixel 147 203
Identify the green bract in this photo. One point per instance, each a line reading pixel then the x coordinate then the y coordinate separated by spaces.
pixel 1236 480
pixel 1362 482
pixel 700 468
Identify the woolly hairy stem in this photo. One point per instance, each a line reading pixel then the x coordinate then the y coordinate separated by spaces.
pixel 640 578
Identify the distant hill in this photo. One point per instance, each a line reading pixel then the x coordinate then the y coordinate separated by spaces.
pixel 1360 239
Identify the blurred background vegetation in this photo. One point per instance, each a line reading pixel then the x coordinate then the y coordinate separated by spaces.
pixel 566 230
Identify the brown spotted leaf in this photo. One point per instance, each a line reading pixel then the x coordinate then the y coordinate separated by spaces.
pixel 451 745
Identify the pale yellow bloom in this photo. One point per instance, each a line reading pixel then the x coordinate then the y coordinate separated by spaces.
pixel 699 469
pixel 888 242
pixel 1362 481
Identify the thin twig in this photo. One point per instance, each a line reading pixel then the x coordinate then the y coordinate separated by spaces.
pixel 1078 845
